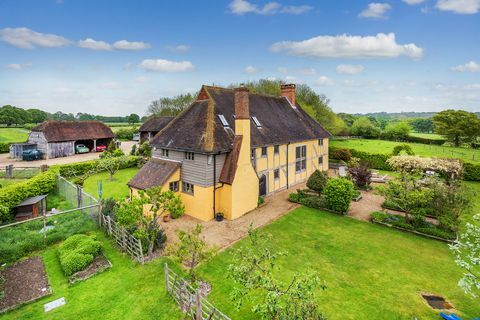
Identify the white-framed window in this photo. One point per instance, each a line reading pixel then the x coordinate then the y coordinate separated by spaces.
pixel 276 149
pixel 223 120
pixel 189 156
pixel 276 174
pixel 173 186
pixel 320 160
pixel 300 158
pixel 320 142
pixel 257 123
pixel 264 151
pixel 187 187
pixel 165 153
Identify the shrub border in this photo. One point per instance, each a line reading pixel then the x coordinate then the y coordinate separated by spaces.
pixel 374 221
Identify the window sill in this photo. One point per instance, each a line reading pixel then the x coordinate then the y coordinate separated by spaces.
pixel 188 193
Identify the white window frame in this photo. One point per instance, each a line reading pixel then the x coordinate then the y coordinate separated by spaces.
pixel 175 183
pixel 189 155
pixel 188 188
pixel 256 121
pixel 165 153
pixel 266 152
pixel 301 162
pixel 223 120
pixel 276 174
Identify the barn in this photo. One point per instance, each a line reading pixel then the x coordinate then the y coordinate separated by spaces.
pixel 152 126
pixel 59 138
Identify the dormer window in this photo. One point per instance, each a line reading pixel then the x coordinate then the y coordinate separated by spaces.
pixel 223 120
pixel 257 123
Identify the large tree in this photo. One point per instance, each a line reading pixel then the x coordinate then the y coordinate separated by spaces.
pixel 457 126
pixel 424 125
pixel 37 115
pixel 365 128
pixel 170 106
pixel 11 115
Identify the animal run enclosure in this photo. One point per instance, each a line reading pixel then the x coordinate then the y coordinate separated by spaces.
pixel 190 300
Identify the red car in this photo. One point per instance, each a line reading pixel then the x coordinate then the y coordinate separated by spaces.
pixel 100 148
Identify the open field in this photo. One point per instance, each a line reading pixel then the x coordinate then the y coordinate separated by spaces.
pixel 117 188
pixel 432 136
pixel 371 272
pixel 7 182
pixel 386 147
pixel 8 135
pixel 126 291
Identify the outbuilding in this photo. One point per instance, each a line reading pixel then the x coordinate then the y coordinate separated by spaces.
pixel 153 126
pixel 59 138
pixel 31 208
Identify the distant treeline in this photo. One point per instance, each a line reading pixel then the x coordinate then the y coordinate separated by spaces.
pixel 15 116
pixel 400 115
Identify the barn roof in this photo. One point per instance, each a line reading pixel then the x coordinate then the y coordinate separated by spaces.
pixel 155 124
pixel 56 131
pixel 153 174
pixel 200 129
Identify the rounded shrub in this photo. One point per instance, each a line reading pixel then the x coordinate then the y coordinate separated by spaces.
pixel 339 192
pixel 77 252
pixel 402 147
pixel 317 181
pixel 342 154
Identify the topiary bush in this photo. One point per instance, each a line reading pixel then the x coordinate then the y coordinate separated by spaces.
pixel 317 181
pixel 77 252
pixel 402 147
pixel 339 192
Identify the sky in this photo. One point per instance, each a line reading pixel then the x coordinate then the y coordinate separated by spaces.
pixel 115 57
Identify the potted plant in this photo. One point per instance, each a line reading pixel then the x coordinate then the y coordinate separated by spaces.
pixel 166 217
pixel 219 216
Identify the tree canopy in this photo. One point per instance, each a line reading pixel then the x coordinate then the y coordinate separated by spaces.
pixel 458 126
pixel 171 106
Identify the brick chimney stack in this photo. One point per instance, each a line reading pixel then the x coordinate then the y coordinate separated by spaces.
pixel 242 110
pixel 288 91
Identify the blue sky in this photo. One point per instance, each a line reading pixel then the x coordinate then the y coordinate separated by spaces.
pixel 115 57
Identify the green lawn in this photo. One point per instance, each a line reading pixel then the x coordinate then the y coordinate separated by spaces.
pixel 117 188
pixel 7 182
pixel 386 147
pixel 432 136
pixel 372 272
pixel 8 135
pixel 127 291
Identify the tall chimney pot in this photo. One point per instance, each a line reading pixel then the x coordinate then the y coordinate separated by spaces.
pixel 289 91
pixel 242 110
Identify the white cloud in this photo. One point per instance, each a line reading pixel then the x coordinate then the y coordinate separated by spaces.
pixel 471 66
pixel 179 48
pixel 347 46
pixel 131 45
pixel 413 2
pixel 128 66
pixel 162 65
pixel 28 39
pixel 250 70
pixel 308 71
pixel 240 7
pixel 375 10
pixel 459 6
pixel 349 69
pixel 18 66
pixel 324 81
pixel 282 69
pixel 92 44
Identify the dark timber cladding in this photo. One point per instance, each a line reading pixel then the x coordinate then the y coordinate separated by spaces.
pixel 152 126
pixel 199 129
pixel 153 174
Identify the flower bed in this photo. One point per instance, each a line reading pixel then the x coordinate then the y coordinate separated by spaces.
pixel 421 228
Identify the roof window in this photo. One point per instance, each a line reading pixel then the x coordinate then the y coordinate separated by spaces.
pixel 223 120
pixel 257 123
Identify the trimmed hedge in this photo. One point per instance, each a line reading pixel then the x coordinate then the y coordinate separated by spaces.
pixel 13 194
pixel 77 252
pixel 437 142
pixel 471 171
pixel 79 168
pixel 376 160
pixel 4 147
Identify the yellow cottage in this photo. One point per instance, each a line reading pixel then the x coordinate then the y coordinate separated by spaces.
pixel 231 146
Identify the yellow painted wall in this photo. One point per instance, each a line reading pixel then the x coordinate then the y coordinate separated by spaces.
pixel 267 165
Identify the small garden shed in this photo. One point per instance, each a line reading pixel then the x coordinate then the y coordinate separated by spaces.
pixel 31 208
pixel 58 138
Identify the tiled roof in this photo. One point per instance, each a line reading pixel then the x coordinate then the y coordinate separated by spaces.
pixel 56 131
pixel 153 174
pixel 155 124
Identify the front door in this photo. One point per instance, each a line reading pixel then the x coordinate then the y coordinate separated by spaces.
pixel 263 185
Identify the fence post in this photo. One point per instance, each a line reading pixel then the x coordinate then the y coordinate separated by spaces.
pixel 165 271
pixel 140 249
pixel 198 305
pixel 109 225
pixel 124 240
pixel 9 171
pixel 79 196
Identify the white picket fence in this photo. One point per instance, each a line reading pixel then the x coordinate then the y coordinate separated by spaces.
pixel 189 299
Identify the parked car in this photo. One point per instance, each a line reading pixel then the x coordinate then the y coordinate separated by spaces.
pixel 32 154
pixel 81 148
pixel 101 148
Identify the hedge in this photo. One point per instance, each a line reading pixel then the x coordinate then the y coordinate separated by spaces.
pixel 414 139
pixel 376 160
pixel 79 168
pixel 4 147
pixel 471 171
pixel 12 195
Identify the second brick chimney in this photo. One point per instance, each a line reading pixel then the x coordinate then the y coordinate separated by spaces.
pixel 241 103
pixel 288 91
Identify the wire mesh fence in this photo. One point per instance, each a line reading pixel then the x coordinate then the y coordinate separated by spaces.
pixel 11 172
pixel 75 195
